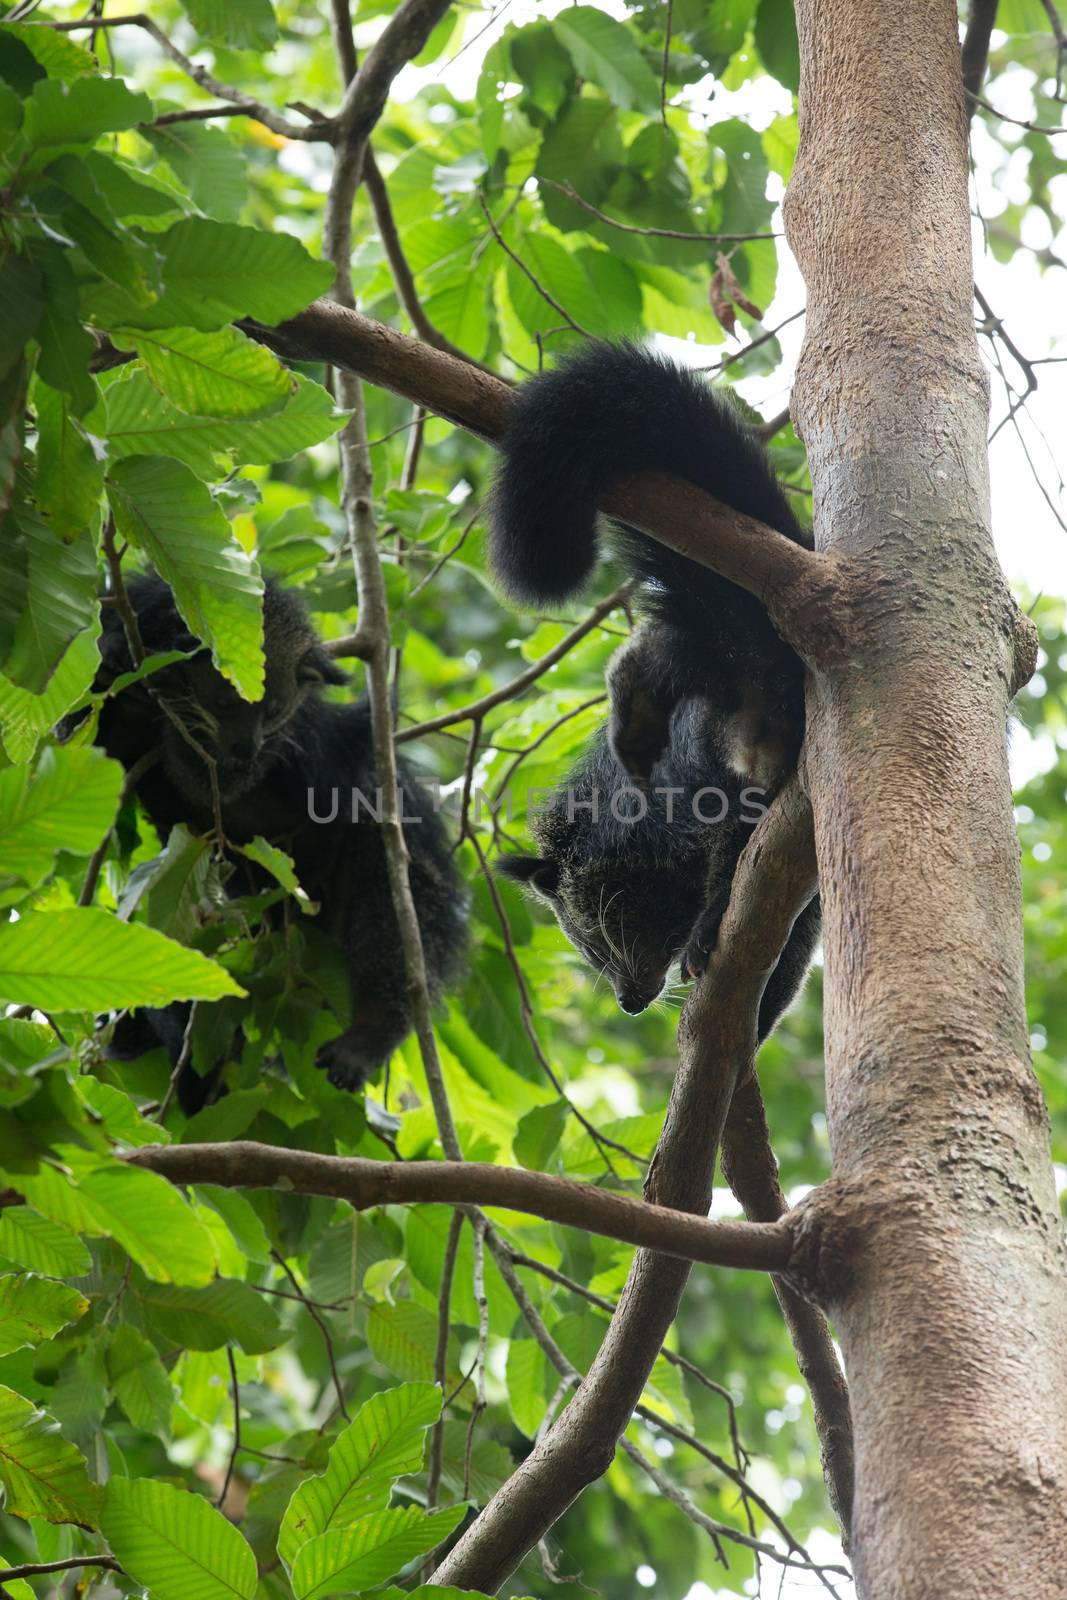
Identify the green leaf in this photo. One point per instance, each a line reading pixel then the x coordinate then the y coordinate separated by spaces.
pixel 162 508
pixel 224 1312
pixel 67 804
pixel 531 1384
pixel 374 1549
pixel 22 297
pixel 385 1439
pixel 207 162
pixel 85 959
pixel 275 861
pixel 776 41
pixel 242 24
pixel 57 53
pixel 539 1133
pixel 242 1219
pixel 43 1475
pixel 32 1309
pixel 70 476
pixel 403 1337
pixel 141 422
pixel 66 347
pixel 138 1380
pixel 175 1543
pixel 43 1246
pixel 604 51
pixel 138 1209
pixel 220 374
pixel 216 272
pixel 26 717
pixel 174 882
pixel 79 111
pixel 61 600
pixel 117 1115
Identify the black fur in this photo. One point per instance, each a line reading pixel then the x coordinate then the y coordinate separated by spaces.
pixel 705 695
pixel 279 762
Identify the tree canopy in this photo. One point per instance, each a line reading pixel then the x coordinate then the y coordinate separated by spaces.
pixel 216 1392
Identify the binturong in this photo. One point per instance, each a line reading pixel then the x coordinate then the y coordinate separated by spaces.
pixel 637 849
pixel 286 767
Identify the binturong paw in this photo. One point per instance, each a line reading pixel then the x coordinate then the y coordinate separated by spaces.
pixel 345 1062
pixel 703 937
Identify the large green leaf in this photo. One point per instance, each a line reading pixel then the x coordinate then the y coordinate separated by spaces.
pixel 67 804
pixel 44 1246
pixel 141 422
pixel 138 1209
pixel 243 24
pixel 22 296
pixel 605 52
pixel 385 1439
pixel 60 600
pixel 42 1474
pixel 139 1381
pixel 164 509
pixel 207 162
pixel 26 717
pixel 175 1543
pixel 218 374
pixel 70 475
pixel 33 1309
pixel 224 1312
pixel 373 1549
pixel 78 111
pixel 85 959
pixel 217 271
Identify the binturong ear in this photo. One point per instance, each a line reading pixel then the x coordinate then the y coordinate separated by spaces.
pixel 539 873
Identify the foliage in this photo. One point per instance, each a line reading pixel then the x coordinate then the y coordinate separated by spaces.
pixel 164 1354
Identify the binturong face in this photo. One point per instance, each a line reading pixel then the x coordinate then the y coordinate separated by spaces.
pixel 629 923
pixel 205 715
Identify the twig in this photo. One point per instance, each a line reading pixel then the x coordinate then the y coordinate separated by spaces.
pixel 41 1569
pixel 652 233
pixel 667 29
pixel 403 277
pixel 130 626
pixel 440 1360
pixel 180 1065
pixel 133 777
pixel 316 1318
pixel 202 114
pixel 1017 122
pixel 523 268
pixel 236 1392
pixel 522 680
pixel 974 52
pixel 200 75
pixel 482 1304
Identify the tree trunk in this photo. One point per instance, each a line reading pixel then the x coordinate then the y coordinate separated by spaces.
pixel 937 1245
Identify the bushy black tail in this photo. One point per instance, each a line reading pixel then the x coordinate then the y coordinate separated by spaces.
pixel 609 410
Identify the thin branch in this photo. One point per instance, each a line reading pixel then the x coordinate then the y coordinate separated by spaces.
pixel 1016 122
pixel 202 114
pixel 235 1390
pixel 365 95
pixel 313 1313
pixel 440 1361
pixel 244 1164
pixel 132 778
pixel 199 75
pixel 751 1170
pixel 123 605
pixel 40 1569
pixel 549 299
pixel 522 680
pixel 403 277
pixel 180 1065
pixel 652 233
pixel 974 52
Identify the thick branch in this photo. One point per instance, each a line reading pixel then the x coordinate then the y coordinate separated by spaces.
pixel 717 1038
pixel 401 39
pixel 747 552
pixel 974 52
pixel 243 1164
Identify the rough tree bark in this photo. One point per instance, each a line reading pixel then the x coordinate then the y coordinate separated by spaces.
pixel 937 1245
